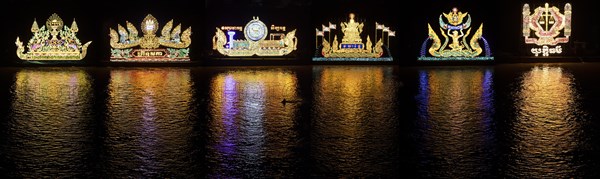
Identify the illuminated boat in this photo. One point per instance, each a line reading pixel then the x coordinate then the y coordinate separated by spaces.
pixel 352 47
pixel 255 43
pixel 171 46
pixel 456 46
pixel 53 41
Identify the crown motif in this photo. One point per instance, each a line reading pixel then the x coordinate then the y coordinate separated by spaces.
pixel 352 47
pixel 175 43
pixel 456 45
pixel 53 42
pixel 255 42
pixel 455 17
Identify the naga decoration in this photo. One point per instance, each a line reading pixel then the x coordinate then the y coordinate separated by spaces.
pixel 456 44
pixel 547 24
pixel 53 41
pixel 352 47
pixel 171 46
pixel 255 43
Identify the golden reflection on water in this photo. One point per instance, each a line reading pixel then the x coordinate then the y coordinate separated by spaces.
pixel 251 130
pixel 547 124
pixel 455 108
pixel 354 121
pixel 150 122
pixel 50 121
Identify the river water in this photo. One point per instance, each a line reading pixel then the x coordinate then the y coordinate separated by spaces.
pixel 503 121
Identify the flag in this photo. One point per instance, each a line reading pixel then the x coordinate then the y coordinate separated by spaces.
pixel 386 29
pixel 332 26
pixel 378 26
pixel 392 33
pixel 319 33
pixel 325 28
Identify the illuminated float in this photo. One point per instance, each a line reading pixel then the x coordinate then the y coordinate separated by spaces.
pixel 455 27
pixel 352 47
pixel 279 43
pixel 547 24
pixel 53 41
pixel 171 46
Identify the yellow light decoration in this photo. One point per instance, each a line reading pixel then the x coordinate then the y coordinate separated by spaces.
pixel 175 44
pixel 547 24
pixel 454 31
pixel 255 43
pixel 53 41
pixel 352 47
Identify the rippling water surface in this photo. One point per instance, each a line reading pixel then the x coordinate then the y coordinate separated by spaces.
pixel 149 123
pixel 50 130
pixel 455 122
pixel 251 133
pixel 504 121
pixel 354 121
pixel 547 129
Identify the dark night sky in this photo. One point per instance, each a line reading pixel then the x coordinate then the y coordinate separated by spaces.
pixel 501 21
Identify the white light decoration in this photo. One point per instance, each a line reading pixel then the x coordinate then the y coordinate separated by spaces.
pixel 547 24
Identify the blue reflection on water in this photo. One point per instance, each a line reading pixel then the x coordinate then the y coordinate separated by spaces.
pixel 423 96
pixel 455 116
pixel 227 145
pixel 148 139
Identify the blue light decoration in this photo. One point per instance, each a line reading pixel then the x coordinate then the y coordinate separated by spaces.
pixel 453 28
pixel 230 41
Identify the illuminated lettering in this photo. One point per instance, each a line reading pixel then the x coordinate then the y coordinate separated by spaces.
pixel 546 51
pixel 550 27
pixel 53 41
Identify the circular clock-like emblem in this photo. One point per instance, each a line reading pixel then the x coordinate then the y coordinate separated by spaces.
pixel 255 30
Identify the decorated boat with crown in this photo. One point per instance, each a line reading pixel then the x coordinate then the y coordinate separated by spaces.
pixel 171 46
pixel 53 41
pixel 351 47
pixel 456 45
pixel 279 43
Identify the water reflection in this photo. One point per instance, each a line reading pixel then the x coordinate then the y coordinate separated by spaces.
pixel 251 132
pixel 354 123
pixel 455 108
pixel 150 123
pixel 547 125
pixel 50 125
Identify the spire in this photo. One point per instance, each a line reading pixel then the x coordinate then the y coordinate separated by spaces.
pixel 34 27
pixel 74 27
